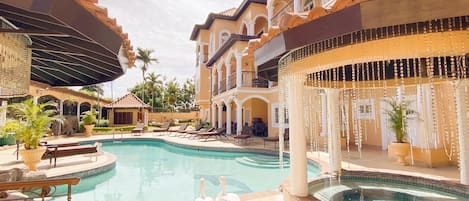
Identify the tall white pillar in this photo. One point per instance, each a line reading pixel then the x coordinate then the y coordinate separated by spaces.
pixel 270 14
pixel 298 161
pixel 462 108
pixel 335 159
pixel 78 115
pixel 228 118
pixel 239 118
pixel 61 107
pixel 251 28
pixel 213 115
pixel 296 6
pixel 3 113
pixel 239 70
pixel 35 100
pixel 220 80
pixel 228 72
pixel 220 118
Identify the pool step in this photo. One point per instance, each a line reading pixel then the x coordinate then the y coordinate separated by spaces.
pixel 262 162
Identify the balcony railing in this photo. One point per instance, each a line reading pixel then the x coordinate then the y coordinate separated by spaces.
pixel 287 8
pixel 215 89
pixel 222 87
pixel 250 80
pixel 232 81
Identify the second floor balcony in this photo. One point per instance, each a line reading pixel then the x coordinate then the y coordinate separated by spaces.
pixel 248 79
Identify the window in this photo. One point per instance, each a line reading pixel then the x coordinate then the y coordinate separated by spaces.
pixel 123 118
pixel 308 5
pixel 365 109
pixel 276 116
pixel 223 38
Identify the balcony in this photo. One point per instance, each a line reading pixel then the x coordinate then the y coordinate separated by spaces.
pixel 250 80
pixel 215 90
pixel 222 87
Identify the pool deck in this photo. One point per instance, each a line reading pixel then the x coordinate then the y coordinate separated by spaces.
pixel 371 159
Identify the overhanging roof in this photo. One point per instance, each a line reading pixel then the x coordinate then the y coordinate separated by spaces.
pixel 74 43
pixel 226 46
pixel 212 16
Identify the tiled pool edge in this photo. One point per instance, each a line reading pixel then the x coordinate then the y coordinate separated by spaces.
pixel 92 171
pixel 438 185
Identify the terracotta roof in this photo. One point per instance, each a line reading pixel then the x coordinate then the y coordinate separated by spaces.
pixel 130 100
pixel 101 13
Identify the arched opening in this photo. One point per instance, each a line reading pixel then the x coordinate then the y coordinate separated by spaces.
pixel 260 25
pixel 215 79
pixel 224 35
pixel 232 73
pixel 19 99
pixel 255 116
pixel 222 87
pixel 244 29
pixel 47 98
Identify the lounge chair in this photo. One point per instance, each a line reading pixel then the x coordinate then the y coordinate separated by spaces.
pixel 275 139
pixel 54 152
pixel 186 132
pixel 138 130
pixel 163 128
pixel 181 129
pixel 216 133
pixel 193 133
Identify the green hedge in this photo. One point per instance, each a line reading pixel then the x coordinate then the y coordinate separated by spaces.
pixel 7 140
pixel 116 129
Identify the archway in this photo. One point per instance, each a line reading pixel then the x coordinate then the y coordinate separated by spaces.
pixel 260 25
pixel 255 115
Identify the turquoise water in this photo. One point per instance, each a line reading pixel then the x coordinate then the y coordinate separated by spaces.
pixel 151 171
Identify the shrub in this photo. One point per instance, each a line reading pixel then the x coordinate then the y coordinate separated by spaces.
pixel 102 123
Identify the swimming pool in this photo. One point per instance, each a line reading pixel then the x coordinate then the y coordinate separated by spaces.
pixel 153 170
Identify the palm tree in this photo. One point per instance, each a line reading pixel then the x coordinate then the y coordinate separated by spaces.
pixel 144 55
pixel 154 83
pixel 95 90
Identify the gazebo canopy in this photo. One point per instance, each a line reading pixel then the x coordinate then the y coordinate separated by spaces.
pixel 74 42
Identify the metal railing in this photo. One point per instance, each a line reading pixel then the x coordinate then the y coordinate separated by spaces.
pixel 287 8
pixel 222 87
pixel 250 80
pixel 41 188
pixel 215 89
pixel 232 81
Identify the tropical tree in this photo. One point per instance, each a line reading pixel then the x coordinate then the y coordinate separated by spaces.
pixel 154 84
pixel 144 56
pixel 97 91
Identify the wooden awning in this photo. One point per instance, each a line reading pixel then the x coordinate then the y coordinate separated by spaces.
pixel 74 42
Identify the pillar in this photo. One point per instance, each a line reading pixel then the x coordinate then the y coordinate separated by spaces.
pixel 61 107
pixel 35 100
pixel 335 159
pixel 251 28
pixel 3 113
pixel 228 118
pixel 213 115
pixel 220 118
pixel 298 161
pixel 228 71
pixel 239 118
pixel 78 115
pixel 270 14
pixel 296 6
pixel 462 106
pixel 239 70
pixel 220 80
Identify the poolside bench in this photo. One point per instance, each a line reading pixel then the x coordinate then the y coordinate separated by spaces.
pixel 138 130
pixel 54 151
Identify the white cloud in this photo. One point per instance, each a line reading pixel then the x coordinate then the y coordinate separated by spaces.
pixel 165 26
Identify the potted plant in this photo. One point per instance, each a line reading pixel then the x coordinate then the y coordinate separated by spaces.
pixel 31 122
pixel 89 119
pixel 398 123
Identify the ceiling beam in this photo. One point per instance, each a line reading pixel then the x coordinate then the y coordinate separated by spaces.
pixel 53 50
pixel 33 32
pixel 71 71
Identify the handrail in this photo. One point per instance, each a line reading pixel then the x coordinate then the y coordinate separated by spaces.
pixel 45 184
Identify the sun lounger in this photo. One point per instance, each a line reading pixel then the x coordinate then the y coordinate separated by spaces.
pixel 54 152
pixel 138 130
pixel 186 132
pixel 216 133
pixel 276 138
pixel 193 133
pixel 163 128
pixel 181 129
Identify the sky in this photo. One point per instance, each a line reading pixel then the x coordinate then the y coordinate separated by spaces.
pixel 164 26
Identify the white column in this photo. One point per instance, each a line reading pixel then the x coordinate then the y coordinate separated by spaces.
pixel 251 28
pixel 220 118
pixel 213 115
pixel 78 114
pixel 239 118
pixel 335 159
pixel 462 108
pixel 3 113
pixel 61 108
pixel 298 161
pixel 270 14
pixel 239 70
pixel 296 6
pixel 228 118
pixel 228 71
pixel 35 99
pixel 220 80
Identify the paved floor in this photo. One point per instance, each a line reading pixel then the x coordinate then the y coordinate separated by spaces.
pixel 371 159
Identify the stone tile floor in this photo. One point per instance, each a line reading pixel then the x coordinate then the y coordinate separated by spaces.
pixel 371 159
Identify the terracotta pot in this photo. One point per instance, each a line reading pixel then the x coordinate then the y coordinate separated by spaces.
pixel 31 157
pixel 401 151
pixel 89 130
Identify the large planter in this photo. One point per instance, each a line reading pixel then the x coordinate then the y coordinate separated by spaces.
pixel 89 130
pixel 31 157
pixel 400 150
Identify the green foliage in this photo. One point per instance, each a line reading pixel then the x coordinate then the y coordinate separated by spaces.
pixel 115 129
pixel 31 121
pixel 89 117
pixel 103 123
pixel 396 118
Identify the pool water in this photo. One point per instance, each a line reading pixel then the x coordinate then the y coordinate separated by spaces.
pixel 150 170
pixel 374 191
